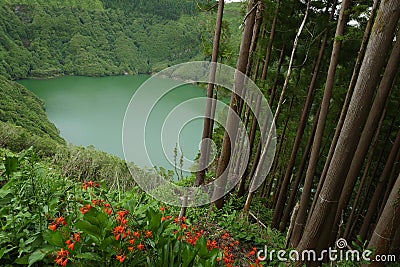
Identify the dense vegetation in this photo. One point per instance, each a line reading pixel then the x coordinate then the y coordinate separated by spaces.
pixel 336 169
pixel 49 38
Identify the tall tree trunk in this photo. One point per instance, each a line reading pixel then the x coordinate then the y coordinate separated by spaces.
pixel 391 181
pixel 270 42
pixel 278 109
pixel 330 80
pixel 377 50
pixel 278 72
pixel 256 31
pixel 395 246
pixel 231 124
pixel 374 174
pixel 299 135
pixel 205 145
pixel 387 225
pixel 350 90
pixel 370 127
pixel 380 187
pixel 252 136
pixel 299 176
pixel 364 178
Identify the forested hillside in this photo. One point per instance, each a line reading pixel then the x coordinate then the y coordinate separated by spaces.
pixel 50 38
pixel 328 69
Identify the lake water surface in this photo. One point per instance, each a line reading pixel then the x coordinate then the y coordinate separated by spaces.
pixel 90 111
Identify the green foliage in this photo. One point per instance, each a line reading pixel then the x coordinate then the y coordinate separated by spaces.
pixel 50 38
pixel 46 218
pixel 21 107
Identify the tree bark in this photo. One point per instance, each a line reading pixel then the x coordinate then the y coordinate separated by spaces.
pixel 364 178
pixel 278 72
pixel 350 90
pixel 278 109
pixel 270 42
pixel 252 136
pixel 205 145
pixel 386 226
pixel 299 135
pixel 224 159
pixel 367 134
pixel 378 47
pixel 380 187
pixel 299 176
pixel 256 31
pixel 373 175
pixel 306 194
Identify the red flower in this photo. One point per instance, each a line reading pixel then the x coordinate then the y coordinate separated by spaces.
pixel 226 235
pixel 62 257
pixel 162 209
pixel 121 258
pixel 97 202
pixel 89 184
pixel 131 249
pixel 136 234
pixel 71 245
pixel 77 237
pixel 149 234
pixel 63 253
pixel 140 246
pixel 211 244
pixel 85 209
pixel 108 211
pixel 53 227
pixel 122 214
pixel 118 231
pixel 60 220
pixel 132 241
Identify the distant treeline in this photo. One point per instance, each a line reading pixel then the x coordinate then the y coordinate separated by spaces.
pixel 50 38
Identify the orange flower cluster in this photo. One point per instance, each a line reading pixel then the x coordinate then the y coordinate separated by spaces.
pixel 62 257
pixel 192 238
pixel 122 232
pixel 211 244
pixel 163 219
pixel 121 258
pixel 85 209
pixel 60 221
pixel 72 241
pixel 101 203
pixel 253 255
pixel 89 184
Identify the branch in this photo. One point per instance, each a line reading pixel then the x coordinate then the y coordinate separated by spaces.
pixel 205 10
pixel 258 221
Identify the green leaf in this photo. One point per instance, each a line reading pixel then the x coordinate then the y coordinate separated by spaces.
pixel 154 219
pixel 37 256
pixel 54 238
pixel 11 164
pixel 188 255
pixel 201 246
pixel 96 218
pixel 23 260
pixel 5 250
pixel 90 229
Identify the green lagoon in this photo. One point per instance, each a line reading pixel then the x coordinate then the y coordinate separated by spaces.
pixel 90 111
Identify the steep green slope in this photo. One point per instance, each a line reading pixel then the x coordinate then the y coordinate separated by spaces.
pixel 21 107
pixel 49 38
